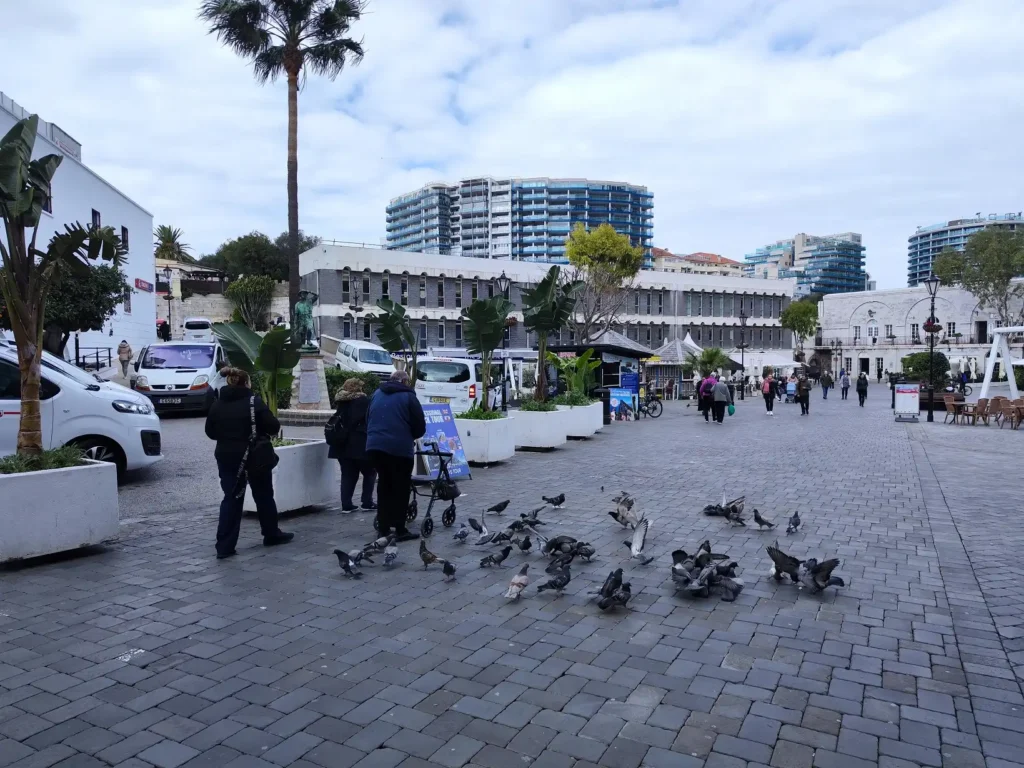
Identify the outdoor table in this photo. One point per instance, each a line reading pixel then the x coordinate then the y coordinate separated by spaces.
pixel 967 411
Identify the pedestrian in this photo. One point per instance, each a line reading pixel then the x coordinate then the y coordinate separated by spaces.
pixel 780 386
pixel 826 384
pixel 879 372
pixel 706 396
pixel 394 423
pixel 768 390
pixel 124 356
pixel 346 436
pixel 242 425
pixel 803 394
pixel 844 379
pixel 862 388
pixel 721 397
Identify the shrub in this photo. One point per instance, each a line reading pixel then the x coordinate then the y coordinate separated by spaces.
pixel 915 368
pixel 251 296
pixel 532 404
pixel 57 458
pixel 572 398
pixel 478 414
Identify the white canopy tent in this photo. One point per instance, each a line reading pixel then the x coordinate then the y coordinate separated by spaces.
pixel 1000 353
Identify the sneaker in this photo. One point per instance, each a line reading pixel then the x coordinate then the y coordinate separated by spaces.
pixel 278 538
pixel 349 510
pixel 371 507
pixel 225 555
pixel 404 534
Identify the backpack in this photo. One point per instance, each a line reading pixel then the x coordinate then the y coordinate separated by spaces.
pixel 766 387
pixel 335 433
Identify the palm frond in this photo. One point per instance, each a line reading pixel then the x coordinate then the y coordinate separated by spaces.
pixel 239 24
pixel 333 21
pixel 329 59
pixel 268 64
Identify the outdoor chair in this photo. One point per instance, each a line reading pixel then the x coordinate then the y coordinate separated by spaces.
pixel 951 409
pixel 982 411
pixel 995 407
pixel 1011 414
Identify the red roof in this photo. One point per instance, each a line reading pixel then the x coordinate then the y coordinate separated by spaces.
pixel 710 258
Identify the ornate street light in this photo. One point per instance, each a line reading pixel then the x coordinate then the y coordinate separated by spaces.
pixel 504 284
pixel 932 284
pixel 743 348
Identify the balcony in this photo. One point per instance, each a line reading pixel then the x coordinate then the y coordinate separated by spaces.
pixel 921 342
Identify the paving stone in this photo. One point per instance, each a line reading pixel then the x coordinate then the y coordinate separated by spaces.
pixel 457 751
pixel 168 754
pixel 788 754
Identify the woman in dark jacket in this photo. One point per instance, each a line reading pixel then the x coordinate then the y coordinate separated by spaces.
pixel 230 424
pixel 395 422
pixel 862 388
pixel 348 445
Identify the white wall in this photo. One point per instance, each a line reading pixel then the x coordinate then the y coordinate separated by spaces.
pixel 77 191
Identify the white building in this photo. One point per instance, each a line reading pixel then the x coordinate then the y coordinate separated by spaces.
pixel 877 329
pixel 79 194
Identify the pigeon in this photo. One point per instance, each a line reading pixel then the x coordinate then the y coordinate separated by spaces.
pixel 426 555
pixel 783 564
pixel 555 501
pixel 612 583
pixel 560 562
pixel 495 559
pixel 624 515
pixel 794 523
pixel 358 555
pixel 818 576
pixel 498 508
pixel 701 585
pixel 558 544
pixel 636 544
pixel 462 534
pixel 448 569
pixel 732 514
pixel 585 550
pixel 481 529
pixel 706 547
pixel 519 582
pixel 499 537
pixel 761 522
pixel 524 544
pixel 682 564
pixel 557 582
pixel 619 597
pixel 390 552
pixel 377 545
pixel 426 525
pixel 347 565
pixel 731 588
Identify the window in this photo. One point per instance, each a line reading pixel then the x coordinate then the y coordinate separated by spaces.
pixel 915 333
pixel 879 364
pixel 124 237
pixel 490 290
pixel 848 365
pixel 856 333
pixel 951 329
pixel 474 288
pixel 366 289
pixel 661 333
pixel 385 286
pixel 127 306
pixel 636 303
pixel 648 302
pixel 458 294
pixel 437 372
pixel 661 302
pixel 440 291
pixel 10 381
pixel 346 330
pixel 423 336
pixel 404 287
pixel 366 330
pixel 440 333
pixel 96 219
pixel 458 333
pixel 760 337
pixel 423 291
pixel 872 331
pixel 345 283
pixel 888 331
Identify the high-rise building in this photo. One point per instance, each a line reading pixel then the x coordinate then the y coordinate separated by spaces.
pixel 820 263
pixel 518 219
pixel 928 242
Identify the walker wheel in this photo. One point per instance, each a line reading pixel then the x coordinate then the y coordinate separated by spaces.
pixel 448 517
pixel 411 513
pixel 428 527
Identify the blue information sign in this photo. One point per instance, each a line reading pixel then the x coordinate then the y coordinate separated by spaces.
pixel 441 429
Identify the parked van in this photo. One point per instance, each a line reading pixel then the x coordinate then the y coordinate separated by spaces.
pixel 177 375
pixel 456 381
pixel 107 421
pixel 364 357
pixel 197 329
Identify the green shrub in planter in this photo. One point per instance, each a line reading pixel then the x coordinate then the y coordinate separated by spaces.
pixel 532 404
pixel 573 399
pixel 58 458
pixel 479 414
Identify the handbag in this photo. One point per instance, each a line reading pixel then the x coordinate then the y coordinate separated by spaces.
pixel 731 409
pixel 259 456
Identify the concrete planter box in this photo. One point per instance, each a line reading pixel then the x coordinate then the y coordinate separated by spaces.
pixel 57 510
pixel 486 442
pixel 304 477
pixel 583 420
pixel 541 429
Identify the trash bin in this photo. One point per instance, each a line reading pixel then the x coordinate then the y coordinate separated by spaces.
pixel 606 403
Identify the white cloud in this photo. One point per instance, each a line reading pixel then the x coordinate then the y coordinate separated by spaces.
pixel 749 120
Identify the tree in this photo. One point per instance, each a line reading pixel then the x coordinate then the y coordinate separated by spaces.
pixel 252 254
pixel 305 243
pixel 82 303
pixel 483 325
pixel 395 334
pixel 251 296
pixel 168 245
pixel 987 266
pixel 547 308
pixel 606 265
pixel 28 274
pixel 710 360
pixel 915 368
pixel 290 38
pixel 800 317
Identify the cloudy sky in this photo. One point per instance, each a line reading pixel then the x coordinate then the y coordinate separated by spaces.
pixel 750 120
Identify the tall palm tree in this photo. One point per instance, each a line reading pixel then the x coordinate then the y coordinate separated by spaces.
pixel 288 37
pixel 710 360
pixel 169 246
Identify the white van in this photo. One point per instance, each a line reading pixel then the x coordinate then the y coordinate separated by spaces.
pixel 364 357
pixel 197 329
pixel 455 381
pixel 178 375
pixel 107 421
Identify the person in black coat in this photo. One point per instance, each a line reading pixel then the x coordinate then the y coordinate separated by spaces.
pixel 230 424
pixel 348 445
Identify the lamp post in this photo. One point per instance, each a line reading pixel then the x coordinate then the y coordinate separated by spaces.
pixel 932 284
pixel 743 349
pixel 504 287
pixel 170 297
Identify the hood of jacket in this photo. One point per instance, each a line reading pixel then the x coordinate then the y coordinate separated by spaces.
pixel 229 393
pixel 394 387
pixel 344 397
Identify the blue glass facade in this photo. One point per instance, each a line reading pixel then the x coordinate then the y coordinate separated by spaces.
pixel 421 220
pixel 833 266
pixel 928 242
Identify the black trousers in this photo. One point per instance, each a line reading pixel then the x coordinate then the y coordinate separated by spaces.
pixel 394 480
pixel 769 402
pixel 230 523
pixel 706 404
pixel 350 471
pixel 862 396
pixel 846 391
pixel 805 402
pixel 719 408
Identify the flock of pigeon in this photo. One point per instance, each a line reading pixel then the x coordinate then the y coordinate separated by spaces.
pixel 696 575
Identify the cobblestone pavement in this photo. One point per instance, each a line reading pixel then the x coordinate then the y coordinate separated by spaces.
pixel 152 653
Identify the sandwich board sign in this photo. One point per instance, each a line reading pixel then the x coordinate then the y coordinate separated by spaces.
pixel 908 401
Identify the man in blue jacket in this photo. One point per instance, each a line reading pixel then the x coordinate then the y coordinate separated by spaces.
pixel 395 422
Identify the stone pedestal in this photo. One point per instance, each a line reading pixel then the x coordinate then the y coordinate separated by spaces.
pixel 309 389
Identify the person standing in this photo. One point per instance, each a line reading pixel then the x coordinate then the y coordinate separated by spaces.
pixel 826 384
pixel 721 397
pixel 803 394
pixel 346 436
pixel 237 419
pixel 124 356
pixel 768 390
pixel 395 421
pixel 844 380
pixel 862 388
pixel 706 397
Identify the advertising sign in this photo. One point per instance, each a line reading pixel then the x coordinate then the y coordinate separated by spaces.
pixel 908 401
pixel 624 404
pixel 441 429
pixel 630 381
pixel 143 285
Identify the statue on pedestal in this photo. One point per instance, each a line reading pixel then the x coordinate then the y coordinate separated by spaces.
pixel 303 323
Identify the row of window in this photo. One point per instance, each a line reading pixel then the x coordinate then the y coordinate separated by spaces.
pixel 477 289
pixel 915 331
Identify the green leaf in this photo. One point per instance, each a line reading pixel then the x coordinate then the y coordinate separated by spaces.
pixel 241 344
pixel 277 352
pixel 483 324
pixel 15 155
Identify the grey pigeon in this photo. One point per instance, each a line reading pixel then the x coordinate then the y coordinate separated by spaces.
pixel 390 552
pixel 818 576
pixel 732 514
pixel 462 534
pixel 358 555
pixel 560 562
pixel 558 544
pixel 346 564
pixel 525 544
pixel 481 529
pixel 519 582
pixel 731 588
pixel 612 583
pixel 428 557
pixel 618 598
pixel 636 544
pixel 558 582
pixel 682 564
pixel 495 558
pixel 555 501
pixel 761 522
pixel 585 550
pixel 498 508
pixel 794 523
pixel 448 569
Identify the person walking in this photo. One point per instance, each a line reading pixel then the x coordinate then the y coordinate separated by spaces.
pixel 862 388
pixel 706 396
pixel 844 380
pixel 346 436
pixel 242 424
pixel 124 356
pixel 768 390
pixel 395 421
pixel 803 394
pixel 721 397
pixel 826 384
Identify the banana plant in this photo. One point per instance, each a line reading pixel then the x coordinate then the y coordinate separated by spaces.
pixel 547 308
pixel 269 360
pixel 578 371
pixel 483 326
pixel 395 334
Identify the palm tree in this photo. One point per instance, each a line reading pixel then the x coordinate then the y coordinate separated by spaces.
pixel 284 37
pixel 169 246
pixel 710 360
pixel 547 308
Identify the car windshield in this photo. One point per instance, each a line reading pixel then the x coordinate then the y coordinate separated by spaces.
pixel 197 325
pixel 179 356
pixel 374 356
pixel 442 373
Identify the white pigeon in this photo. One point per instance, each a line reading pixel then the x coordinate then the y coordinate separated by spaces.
pixel 636 545
pixel 519 582
pixel 390 552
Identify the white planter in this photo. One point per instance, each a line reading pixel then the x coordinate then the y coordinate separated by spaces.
pixel 541 429
pixel 485 442
pixel 584 420
pixel 57 510
pixel 304 477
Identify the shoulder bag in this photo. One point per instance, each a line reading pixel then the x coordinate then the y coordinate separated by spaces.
pixel 259 456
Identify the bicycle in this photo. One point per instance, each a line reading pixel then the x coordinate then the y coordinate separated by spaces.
pixel 441 487
pixel 650 406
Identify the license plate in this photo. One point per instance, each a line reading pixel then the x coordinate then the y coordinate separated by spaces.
pixel 440 399
pixel 170 401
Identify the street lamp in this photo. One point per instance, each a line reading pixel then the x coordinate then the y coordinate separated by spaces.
pixel 743 360
pixel 837 353
pixel 170 297
pixel 932 284
pixel 504 287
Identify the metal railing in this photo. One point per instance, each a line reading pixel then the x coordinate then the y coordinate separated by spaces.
pixel 900 341
pixel 94 358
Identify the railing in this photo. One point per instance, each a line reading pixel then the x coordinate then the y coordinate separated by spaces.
pixel 94 358
pixel 900 341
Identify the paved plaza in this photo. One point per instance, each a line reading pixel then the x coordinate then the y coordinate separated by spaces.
pixel 150 652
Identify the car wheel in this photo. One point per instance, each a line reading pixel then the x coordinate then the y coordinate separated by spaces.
pixel 101 449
